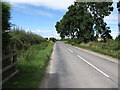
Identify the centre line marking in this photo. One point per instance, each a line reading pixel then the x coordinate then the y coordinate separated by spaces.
pixel 70 50
pixel 94 66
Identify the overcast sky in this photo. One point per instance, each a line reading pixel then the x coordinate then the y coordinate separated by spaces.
pixel 40 16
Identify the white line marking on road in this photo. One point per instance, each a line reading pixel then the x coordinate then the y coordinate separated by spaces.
pixel 70 50
pixel 97 54
pixel 93 66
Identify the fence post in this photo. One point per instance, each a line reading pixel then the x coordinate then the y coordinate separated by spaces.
pixel 10 70
pixel 14 57
pixel 14 60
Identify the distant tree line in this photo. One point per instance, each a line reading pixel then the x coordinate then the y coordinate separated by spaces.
pixel 85 21
pixel 52 39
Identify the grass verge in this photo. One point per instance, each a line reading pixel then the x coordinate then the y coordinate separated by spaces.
pixel 101 48
pixel 32 66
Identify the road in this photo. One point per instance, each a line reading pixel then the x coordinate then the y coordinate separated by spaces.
pixel 72 67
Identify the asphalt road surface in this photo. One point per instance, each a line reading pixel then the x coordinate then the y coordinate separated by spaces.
pixel 72 67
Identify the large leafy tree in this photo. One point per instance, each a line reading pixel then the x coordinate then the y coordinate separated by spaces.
pixel 84 22
pixel 84 19
pixel 73 24
pixel 5 23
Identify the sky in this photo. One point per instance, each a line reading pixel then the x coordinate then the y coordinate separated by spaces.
pixel 40 16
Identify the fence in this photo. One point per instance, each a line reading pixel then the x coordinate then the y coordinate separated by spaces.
pixel 9 66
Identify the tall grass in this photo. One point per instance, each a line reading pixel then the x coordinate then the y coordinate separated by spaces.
pixel 33 54
pixel 32 65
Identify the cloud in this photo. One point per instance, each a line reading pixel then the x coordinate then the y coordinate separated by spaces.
pixel 43 13
pixel 18 6
pixel 114 34
pixel 112 19
pixel 53 4
pixel 29 10
pixel 119 17
pixel 45 33
pixel 114 31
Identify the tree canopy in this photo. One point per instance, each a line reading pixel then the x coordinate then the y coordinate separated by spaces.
pixel 5 23
pixel 85 21
pixel 118 4
pixel 5 16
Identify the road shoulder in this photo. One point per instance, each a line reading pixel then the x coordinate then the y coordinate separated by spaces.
pixel 43 83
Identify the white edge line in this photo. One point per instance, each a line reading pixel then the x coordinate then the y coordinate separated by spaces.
pixel 93 66
pixel 96 54
pixel 70 50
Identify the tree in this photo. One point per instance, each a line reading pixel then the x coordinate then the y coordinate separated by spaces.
pixel 59 30
pixel 84 19
pixel 52 39
pixel 99 10
pixel 5 16
pixel 46 38
pixel 118 4
pixel 106 30
pixel 74 25
pixel 5 23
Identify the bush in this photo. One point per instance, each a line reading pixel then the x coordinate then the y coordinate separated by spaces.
pixel 52 39
pixel 22 40
pixel 75 41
